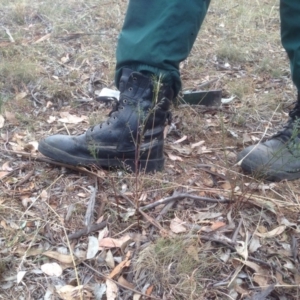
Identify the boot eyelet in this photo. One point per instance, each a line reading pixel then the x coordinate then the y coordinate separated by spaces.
pixel 130 89
pixel 125 101
pixel 134 79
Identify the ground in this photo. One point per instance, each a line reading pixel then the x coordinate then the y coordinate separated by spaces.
pixel 89 233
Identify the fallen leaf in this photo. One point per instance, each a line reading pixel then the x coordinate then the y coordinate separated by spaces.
pixel 20 276
pixel 176 225
pixel 70 292
pixel 109 259
pixel 93 247
pixel 149 290
pixel 174 157
pixel 11 117
pixel 51 119
pixel 217 225
pixel 6 167
pixel 254 244
pixel 21 96
pixel 276 231
pixel 198 144
pixel 113 243
pixel 111 290
pixel 66 117
pixel 180 140
pixel 52 269
pixel 241 248
pixel 3 174
pixel 63 258
pixel 2 121
pixel 126 283
pixel 118 269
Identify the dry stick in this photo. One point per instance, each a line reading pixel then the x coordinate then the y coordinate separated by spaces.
pixel 181 197
pixel 88 219
pixel 27 177
pixel 119 284
pixel 86 230
pixel 148 218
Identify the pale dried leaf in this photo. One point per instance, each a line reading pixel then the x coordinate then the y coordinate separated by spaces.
pixel 130 212
pixel 241 248
pixel 174 157
pixel 66 117
pixel 6 167
pixel 254 244
pixel 103 234
pixel 3 174
pixel 180 140
pixel 176 225
pixel 93 247
pixel 114 243
pixel 51 119
pixel 109 259
pixel 111 290
pixel 198 144
pixel 52 269
pixel 44 195
pixel 217 225
pixel 21 96
pixel 20 276
pixel 270 234
pixel 70 292
pixel 2 121
pixel 11 117
pixel 137 296
pixel 63 258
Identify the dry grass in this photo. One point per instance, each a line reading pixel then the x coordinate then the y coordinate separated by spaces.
pixel 54 56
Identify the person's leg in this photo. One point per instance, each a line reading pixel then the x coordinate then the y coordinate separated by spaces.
pixel 157 35
pixel 279 157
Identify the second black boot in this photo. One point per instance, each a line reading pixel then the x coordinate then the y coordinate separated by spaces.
pixel 279 157
pixel 132 137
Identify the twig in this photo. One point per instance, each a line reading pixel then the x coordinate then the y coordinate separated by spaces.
pixel 91 207
pixel 9 34
pixel 24 179
pixel 148 218
pixel 181 197
pixel 85 231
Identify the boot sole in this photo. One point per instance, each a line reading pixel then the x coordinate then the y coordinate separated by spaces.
pixel 147 166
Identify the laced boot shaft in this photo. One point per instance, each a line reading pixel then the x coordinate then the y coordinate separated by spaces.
pixel 279 157
pixel 131 137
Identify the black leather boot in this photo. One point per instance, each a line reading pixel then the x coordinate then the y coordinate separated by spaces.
pixel 279 157
pixel 131 138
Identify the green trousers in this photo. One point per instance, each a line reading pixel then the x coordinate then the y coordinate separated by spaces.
pixel 158 34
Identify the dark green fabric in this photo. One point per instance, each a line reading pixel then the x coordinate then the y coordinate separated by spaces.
pixel 157 35
pixel 290 35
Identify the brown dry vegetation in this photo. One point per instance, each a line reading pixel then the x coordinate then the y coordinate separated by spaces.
pixel 54 57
